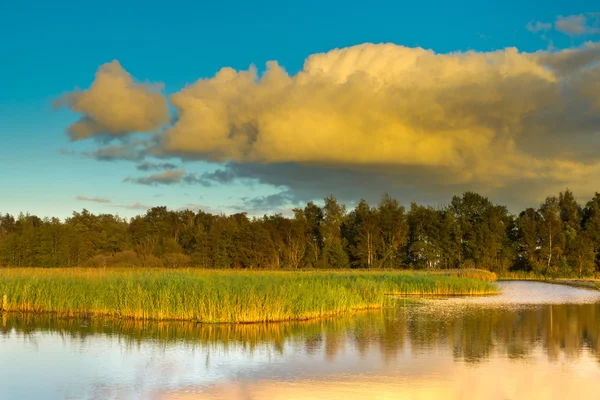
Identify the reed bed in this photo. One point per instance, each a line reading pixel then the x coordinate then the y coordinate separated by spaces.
pixel 215 296
pixel 473 273
pixel 522 276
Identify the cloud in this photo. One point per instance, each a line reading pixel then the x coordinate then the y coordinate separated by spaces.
pixel 173 176
pixel 114 153
pixel 149 166
pixel 134 206
pixel 573 25
pixel 274 203
pixel 164 178
pixel 538 26
pixel 578 59
pixel 368 104
pixel 304 183
pixel 577 25
pixel 92 199
pixel 371 118
pixel 115 105
pixel 374 105
pixel 202 207
pixel 207 179
pixel 128 149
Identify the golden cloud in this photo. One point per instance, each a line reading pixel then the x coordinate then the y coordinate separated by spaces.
pixel 116 105
pixel 380 105
pixel 467 120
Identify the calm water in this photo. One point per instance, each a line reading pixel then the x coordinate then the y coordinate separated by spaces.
pixel 534 341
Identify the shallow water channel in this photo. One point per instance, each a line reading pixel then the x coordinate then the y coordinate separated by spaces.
pixel 533 341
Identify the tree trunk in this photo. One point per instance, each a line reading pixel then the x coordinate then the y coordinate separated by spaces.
pixel 549 249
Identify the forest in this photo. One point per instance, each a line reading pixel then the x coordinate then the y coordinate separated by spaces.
pixel 560 238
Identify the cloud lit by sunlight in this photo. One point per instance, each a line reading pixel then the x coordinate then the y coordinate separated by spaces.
pixel 482 120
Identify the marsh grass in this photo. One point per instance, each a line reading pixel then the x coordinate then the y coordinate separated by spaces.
pixel 522 276
pixel 473 273
pixel 216 296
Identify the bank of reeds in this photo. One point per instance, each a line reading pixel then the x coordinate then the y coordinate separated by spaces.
pixel 473 273
pixel 215 296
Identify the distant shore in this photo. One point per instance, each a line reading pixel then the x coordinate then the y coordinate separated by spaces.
pixel 584 283
pixel 593 284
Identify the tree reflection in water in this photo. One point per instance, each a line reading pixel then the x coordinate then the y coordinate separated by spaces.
pixel 472 333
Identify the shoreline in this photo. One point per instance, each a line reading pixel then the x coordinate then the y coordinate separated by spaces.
pixel 581 283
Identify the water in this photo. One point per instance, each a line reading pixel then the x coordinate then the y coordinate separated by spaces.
pixel 534 341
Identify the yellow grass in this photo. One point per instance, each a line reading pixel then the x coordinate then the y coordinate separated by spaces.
pixel 216 296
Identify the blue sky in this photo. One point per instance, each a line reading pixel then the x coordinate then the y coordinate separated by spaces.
pixel 49 48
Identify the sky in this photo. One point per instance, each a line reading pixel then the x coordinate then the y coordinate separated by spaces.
pixel 263 106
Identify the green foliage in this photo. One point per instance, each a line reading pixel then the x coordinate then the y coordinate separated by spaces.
pixel 335 256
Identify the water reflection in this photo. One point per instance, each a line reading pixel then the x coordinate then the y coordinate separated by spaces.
pixel 471 333
pixel 474 333
pixel 432 338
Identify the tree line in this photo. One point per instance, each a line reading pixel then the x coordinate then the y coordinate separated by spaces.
pixel 561 237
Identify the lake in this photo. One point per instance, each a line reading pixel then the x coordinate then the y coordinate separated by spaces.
pixel 533 341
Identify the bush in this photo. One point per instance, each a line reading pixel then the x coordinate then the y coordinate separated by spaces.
pixel 98 261
pixel 150 261
pixel 125 259
pixel 176 260
pixel 201 260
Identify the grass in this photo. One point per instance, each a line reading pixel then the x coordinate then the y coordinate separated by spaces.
pixel 216 296
pixel 473 273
